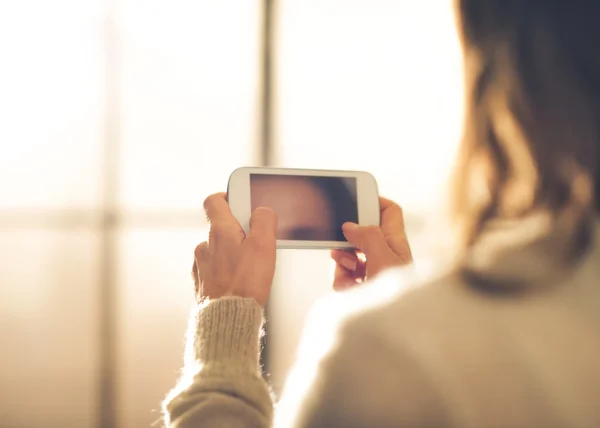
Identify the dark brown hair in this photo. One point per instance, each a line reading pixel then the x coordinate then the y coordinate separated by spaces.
pixel 531 138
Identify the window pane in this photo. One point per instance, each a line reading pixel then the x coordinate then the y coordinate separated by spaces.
pixel 372 85
pixel 48 302
pixel 189 90
pixel 301 278
pixel 156 296
pixel 51 102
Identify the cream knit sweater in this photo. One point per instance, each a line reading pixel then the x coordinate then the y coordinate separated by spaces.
pixel 435 353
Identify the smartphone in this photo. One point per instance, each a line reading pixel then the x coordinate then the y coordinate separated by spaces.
pixel 311 205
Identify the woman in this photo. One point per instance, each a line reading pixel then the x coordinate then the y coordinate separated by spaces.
pixel 505 334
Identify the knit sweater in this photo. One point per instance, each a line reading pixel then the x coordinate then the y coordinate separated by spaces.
pixel 409 350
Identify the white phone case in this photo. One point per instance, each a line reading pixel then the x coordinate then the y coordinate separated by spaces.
pixel 311 204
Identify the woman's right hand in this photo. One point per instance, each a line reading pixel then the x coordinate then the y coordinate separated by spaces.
pixel 377 248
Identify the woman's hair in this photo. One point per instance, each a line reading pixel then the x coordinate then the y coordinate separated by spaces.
pixel 531 139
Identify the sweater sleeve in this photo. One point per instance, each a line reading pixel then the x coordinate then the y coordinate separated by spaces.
pixel 221 384
pixel 346 375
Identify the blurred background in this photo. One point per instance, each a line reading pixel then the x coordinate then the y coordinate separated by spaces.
pixel 118 117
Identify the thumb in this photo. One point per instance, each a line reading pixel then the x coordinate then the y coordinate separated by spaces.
pixel 263 223
pixel 369 240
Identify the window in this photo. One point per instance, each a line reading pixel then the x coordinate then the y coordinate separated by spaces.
pixel 119 117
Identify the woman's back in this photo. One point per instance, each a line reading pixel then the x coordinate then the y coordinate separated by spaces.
pixel 446 354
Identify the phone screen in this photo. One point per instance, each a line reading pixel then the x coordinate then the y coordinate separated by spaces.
pixel 308 208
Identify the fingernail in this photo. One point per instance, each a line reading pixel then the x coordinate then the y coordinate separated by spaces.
pixel 349 264
pixel 349 226
pixel 264 209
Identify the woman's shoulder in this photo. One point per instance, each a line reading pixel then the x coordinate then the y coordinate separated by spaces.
pixel 402 306
pixel 357 339
pixel 401 291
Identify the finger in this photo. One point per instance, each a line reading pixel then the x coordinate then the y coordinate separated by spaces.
pixel 217 209
pixel 385 202
pixel 201 258
pixel 195 277
pixel 263 223
pixel 361 270
pixel 225 234
pixel 224 227
pixel 343 278
pixel 256 266
pixel 346 275
pixel 392 217
pixel 345 258
pixel 352 260
pixel 393 228
pixel 261 238
pixel 400 246
pixel 368 239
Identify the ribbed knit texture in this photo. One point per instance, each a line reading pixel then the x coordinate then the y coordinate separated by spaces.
pixel 228 331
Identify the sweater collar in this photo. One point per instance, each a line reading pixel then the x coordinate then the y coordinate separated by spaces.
pixel 530 251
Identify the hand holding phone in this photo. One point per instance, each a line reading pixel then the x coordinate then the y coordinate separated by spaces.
pixel 230 264
pixel 311 205
pixel 239 258
pixel 378 248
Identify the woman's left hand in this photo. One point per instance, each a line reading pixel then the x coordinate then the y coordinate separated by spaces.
pixel 378 248
pixel 231 263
